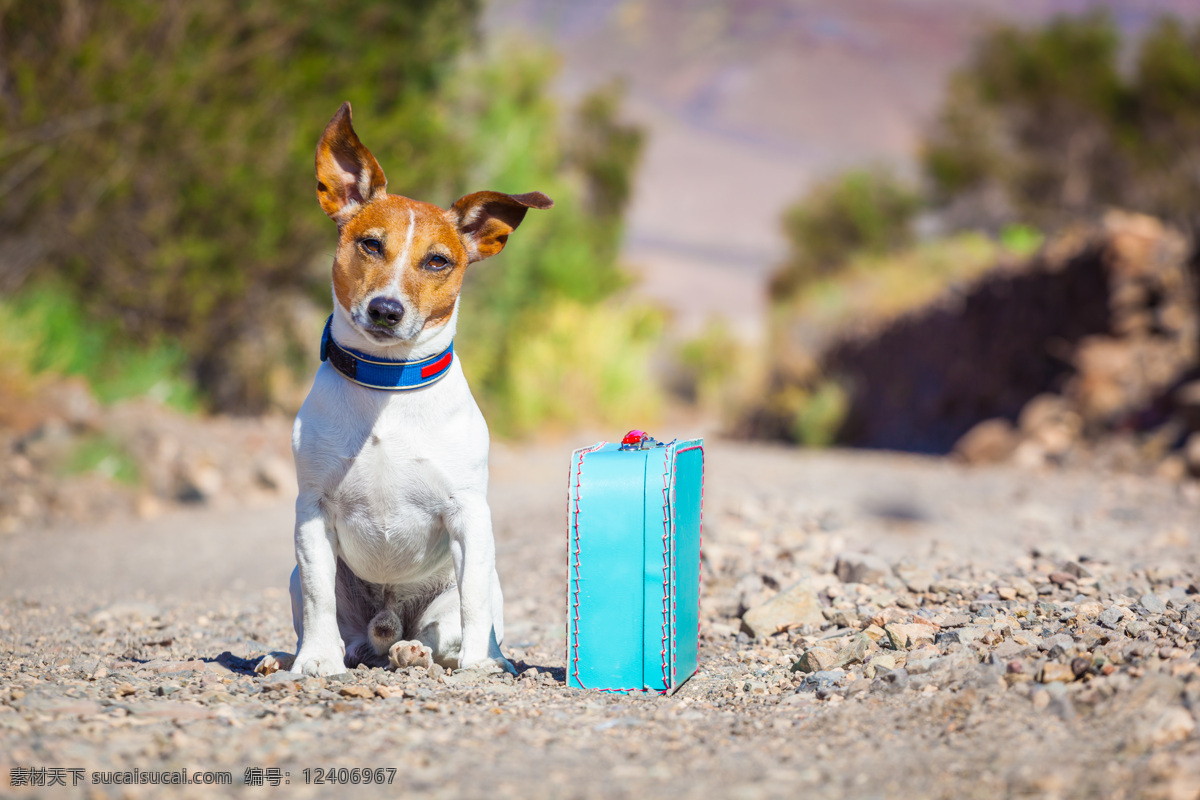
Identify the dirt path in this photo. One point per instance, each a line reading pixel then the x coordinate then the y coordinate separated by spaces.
pixel 132 646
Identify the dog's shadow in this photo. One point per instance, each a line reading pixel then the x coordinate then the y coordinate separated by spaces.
pixel 249 666
pixel 558 674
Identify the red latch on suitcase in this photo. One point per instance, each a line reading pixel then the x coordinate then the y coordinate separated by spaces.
pixel 639 440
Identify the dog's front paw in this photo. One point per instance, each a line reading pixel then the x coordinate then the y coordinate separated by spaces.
pixel 490 666
pixel 274 662
pixel 410 654
pixel 319 664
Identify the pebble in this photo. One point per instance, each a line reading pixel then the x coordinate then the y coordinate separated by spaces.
pixel 861 568
pixel 903 636
pixel 854 651
pixel 1053 671
pixel 1153 604
pixel 796 606
pixel 1112 616
pixel 815 659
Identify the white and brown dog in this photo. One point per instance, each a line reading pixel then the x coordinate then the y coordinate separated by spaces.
pixel 394 549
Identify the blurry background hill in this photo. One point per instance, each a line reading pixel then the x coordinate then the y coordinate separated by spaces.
pixel 747 104
pixel 934 226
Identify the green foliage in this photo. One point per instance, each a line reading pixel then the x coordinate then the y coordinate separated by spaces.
pixel 46 331
pixel 709 363
pixel 102 456
pixel 860 211
pixel 1021 240
pixel 1043 126
pixel 564 258
pixel 158 157
pixel 819 414
pixel 156 163
pixel 605 151
pixel 576 363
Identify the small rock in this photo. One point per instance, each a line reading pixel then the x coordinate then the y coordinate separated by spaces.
pixel 1111 616
pixel 384 692
pixel 874 632
pixel 883 661
pixel 356 690
pixel 282 683
pixel 889 615
pixel 1152 603
pixel 841 617
pixel 989 442
pixel 1076 569
pixel 815 659
pixel 915 578
pixel 861 568
pixel 795 606
pixel 904 636
pixel 855 650
pixel 1053 671
pixel 896 679
pixel 1061 641
pixel 1006 592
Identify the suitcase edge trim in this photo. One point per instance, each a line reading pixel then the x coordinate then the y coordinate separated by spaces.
pixel 689 445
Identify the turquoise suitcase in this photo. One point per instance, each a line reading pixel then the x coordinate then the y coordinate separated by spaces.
pixel 633 564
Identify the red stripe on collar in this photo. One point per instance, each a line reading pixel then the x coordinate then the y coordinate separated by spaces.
pixel 437 366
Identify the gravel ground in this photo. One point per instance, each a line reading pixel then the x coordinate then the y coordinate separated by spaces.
pixel 923 630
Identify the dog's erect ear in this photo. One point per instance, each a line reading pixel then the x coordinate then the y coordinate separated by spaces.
pixel 348 176
pixel 485 219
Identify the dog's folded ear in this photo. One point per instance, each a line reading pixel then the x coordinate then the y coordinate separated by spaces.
pixel 348 176
pixel 485 219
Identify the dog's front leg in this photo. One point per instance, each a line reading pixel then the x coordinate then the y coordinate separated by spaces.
pixel 321 649
pixel 474 553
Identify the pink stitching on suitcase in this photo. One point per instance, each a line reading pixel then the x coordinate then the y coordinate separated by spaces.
pixel 668 530
pixel 573 657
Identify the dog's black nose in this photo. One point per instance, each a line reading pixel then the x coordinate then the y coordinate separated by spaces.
pixel 385 311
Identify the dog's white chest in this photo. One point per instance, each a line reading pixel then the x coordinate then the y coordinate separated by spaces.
pixel 389 474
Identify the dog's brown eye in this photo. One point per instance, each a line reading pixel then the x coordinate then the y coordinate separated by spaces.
pixel 372 246
pixel 437 263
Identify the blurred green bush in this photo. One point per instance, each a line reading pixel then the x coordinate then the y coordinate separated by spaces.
pixel 1045 125
pixel 542 338
pixel 860 211
pixel 156 166
pixel 46 331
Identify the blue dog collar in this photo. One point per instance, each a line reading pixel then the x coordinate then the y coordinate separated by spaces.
pixel 390 376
